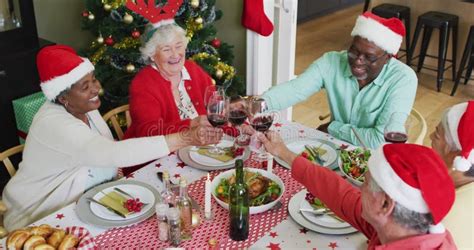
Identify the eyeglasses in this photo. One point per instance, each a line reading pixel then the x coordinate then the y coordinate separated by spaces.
pixel 367 60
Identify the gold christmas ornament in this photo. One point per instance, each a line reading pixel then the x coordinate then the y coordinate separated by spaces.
pixel 107 7
pixel 213 81
pixel 128 19
pixel 91 17
pixel 100 39
pixel 219 73
pixel 130 68
pixel 199 20
pixel 194 3
pixel 101 92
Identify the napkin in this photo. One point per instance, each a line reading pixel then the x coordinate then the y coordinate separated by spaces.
pixel 228 155
pixel 116 201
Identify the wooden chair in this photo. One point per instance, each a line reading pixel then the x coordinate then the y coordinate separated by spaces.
pixel 114 114
pixel 5 158
pixel 416 135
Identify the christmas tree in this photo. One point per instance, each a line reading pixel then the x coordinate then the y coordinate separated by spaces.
pixel 115 51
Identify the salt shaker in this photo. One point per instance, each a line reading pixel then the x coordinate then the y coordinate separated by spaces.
pixel 163 227
pixel 174 225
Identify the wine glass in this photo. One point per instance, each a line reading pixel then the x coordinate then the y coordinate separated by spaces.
pixel 212 90
pixel 396 130
pixel 217 114
pixel 261 120
pixel 237 116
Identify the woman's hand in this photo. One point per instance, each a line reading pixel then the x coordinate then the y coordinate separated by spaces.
pixel 202 135
pixel 195 136
pixel 199 121
pixel 275 146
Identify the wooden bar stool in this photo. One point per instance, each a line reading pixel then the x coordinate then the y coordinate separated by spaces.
pixel 445 23
pixel 398 11
pixel 468 53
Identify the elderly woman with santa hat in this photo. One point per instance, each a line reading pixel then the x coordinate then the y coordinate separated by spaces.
pixel 167 95
pixel 406 194
pixel 453 140
pixel 70 148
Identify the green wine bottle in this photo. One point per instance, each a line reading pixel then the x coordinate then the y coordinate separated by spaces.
pixel 239 205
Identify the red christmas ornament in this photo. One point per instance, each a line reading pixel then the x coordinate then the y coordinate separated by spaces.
pixel 109 41
pixel 135 34
pixel 216 43
pixel 85 13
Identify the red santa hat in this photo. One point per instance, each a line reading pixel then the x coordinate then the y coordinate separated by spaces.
pixel 415 177
pixel 59 67
pixel 385 33
pixel 460 121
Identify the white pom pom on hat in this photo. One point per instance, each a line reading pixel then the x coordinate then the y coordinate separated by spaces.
pixel 461 125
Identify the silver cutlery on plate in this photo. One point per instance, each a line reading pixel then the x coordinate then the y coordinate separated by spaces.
pixel 90 199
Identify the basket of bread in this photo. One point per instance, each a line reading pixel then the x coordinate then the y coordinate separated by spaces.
pixel 45 237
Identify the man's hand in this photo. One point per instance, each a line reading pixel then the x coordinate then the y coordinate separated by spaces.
pixel 275 146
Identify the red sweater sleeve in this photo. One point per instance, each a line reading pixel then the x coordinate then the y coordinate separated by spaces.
pixel 340 196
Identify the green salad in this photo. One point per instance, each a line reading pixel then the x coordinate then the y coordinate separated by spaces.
pixel 261 189
pixel 354 162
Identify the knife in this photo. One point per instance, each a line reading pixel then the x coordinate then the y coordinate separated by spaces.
pixel 108 207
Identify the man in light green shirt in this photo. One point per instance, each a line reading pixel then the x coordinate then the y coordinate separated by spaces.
pixel 364 85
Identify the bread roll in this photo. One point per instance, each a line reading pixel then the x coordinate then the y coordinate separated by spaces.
pixel 43 230
pixel 69 241
pixel 56 238
pixel 44 247
pixel 33 241
pixel 17 239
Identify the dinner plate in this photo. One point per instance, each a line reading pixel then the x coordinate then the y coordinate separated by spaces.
pixel 208 161
pixel 142 193
pixel 85 214
pixel 297 147
pixel 184 155
pixel 294 211
pixel 322 220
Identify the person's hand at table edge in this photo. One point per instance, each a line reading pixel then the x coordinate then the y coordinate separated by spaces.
pixel 194 136
pixel 275 146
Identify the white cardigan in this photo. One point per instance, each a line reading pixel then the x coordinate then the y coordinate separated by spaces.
pixel 58 151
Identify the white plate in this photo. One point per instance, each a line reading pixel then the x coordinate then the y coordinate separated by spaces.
pixel 256 209
pixel 297 147
pixel 322 220
pixel 83 208
pixel 293 209
pixel 144 194
pixel 208 161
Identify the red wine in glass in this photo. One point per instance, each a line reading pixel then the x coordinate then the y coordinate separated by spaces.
pixel 216 120
pixel 262 123
pixel 237 117
pixel 395 137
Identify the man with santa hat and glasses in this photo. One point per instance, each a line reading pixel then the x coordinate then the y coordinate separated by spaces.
pixel 406 195
pixel 364 84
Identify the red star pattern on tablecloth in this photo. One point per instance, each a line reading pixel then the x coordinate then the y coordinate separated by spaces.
pixel 158 165
pixel 59 216
pixel 333 245
pixel 131 175
pixel 177 176
pixel 274 246
pixel 273 234
pixel 303 230
pixel 308 241
pixel 277 125
pixel 180 164
pixel 170 154
pixel 344 146
pixel 301 131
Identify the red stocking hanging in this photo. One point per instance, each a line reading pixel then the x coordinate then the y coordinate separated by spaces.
pixel 254 18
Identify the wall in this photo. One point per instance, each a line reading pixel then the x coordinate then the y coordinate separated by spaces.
pixel 231 31
pixel 60 21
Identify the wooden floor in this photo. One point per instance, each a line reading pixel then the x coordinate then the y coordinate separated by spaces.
pixel 332 32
